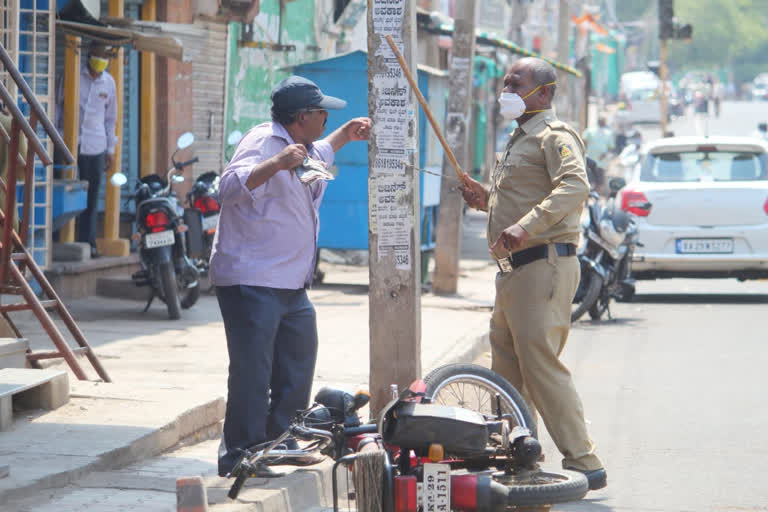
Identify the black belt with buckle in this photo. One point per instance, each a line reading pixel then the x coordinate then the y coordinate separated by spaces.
pixel 532 254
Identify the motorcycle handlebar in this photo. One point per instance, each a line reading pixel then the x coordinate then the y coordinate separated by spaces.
pixel 181 165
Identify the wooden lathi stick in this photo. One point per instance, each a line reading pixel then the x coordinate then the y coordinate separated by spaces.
pixel 425 106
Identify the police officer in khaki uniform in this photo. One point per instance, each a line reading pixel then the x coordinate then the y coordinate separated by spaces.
pixel 534 203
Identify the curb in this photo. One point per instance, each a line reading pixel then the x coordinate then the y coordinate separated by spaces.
pixel 465 350
pixel 159 440
pixel 302 490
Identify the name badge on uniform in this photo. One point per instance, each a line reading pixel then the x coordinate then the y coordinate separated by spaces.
pixel 103 95
pixel 505 265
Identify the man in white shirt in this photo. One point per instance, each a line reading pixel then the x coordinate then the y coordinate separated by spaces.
pixel 97 140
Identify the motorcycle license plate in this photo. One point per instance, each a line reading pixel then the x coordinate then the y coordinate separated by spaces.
pixel 436 488
pixel 210 222
pixel 160 239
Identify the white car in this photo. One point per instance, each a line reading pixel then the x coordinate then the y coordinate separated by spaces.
pixel 641 105
pixel 709 208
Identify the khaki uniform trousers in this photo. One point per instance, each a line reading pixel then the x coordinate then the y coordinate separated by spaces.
pixel 529 328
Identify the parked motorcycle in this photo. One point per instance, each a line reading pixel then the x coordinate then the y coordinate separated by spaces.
pixel 202 215
pixel 165 266
pixel 605 255
pixel 422 454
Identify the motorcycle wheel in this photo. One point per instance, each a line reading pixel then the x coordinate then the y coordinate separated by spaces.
pixel 532 488
pixel 170 290
pixel 598 308
pixel 592 284
pixel 474 387
pixel 190 296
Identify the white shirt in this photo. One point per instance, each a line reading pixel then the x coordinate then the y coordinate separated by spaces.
pixel 98 113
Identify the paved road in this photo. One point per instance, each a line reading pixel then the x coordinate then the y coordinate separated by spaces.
pixel 736 118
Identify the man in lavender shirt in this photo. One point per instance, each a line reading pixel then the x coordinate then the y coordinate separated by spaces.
pixel 262 264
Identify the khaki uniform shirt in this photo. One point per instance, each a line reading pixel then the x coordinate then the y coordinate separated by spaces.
pixel 540 183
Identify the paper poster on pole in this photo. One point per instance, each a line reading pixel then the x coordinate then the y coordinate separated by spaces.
pixel 393 107
pixel 389 194
pixel 389 210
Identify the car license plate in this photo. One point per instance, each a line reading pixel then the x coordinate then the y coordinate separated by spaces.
pixel 210 222
pixel 704 245
pixel 160 239
pixel 436 488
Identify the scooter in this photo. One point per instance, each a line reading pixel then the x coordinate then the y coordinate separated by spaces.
pixel 160 233
pixel 605 255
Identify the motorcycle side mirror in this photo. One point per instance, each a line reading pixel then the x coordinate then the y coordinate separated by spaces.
pixel 178 178
pixel 118 179
pixel 616 184
pixel 185 140
pixel 234 137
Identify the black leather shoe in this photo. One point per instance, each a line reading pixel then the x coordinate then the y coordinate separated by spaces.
pixel 95 253
pixel 597 478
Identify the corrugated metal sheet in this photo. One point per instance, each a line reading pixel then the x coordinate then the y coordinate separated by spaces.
pixel 209 81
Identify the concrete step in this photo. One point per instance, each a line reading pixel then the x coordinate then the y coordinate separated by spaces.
pixel 121 287
pixel 13 352
pixel 78 279
pixel 31 389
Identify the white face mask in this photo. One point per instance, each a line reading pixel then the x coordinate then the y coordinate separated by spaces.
pixel 512 105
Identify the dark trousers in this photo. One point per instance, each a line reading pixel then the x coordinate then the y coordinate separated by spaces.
pixel 272 345
pixel 91 168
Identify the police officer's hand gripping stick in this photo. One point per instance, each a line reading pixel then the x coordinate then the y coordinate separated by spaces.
pixel 459 173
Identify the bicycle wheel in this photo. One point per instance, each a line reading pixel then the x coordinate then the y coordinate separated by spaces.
pixel 475 387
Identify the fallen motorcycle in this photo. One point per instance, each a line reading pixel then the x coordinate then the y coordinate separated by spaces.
pixel 421 454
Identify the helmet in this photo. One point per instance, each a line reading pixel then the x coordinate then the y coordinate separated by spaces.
pixel 319 417
pixel 620 220
pixel 613 225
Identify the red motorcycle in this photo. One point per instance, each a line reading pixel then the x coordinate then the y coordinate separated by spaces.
pixel 423 455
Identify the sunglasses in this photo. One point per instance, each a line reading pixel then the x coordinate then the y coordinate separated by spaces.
pixel 315 110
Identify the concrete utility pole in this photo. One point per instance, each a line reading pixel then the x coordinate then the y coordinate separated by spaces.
pixel 564 98
pixel 393 203
pixel 663 86
pixel 457 122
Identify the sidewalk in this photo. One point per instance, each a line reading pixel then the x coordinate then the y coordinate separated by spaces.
pixel 121 446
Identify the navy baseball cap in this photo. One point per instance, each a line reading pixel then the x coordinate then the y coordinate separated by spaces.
pixel 297 93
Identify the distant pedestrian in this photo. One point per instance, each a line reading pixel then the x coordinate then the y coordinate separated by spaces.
pixel 263 261
pixel 718 92
pixel 599 142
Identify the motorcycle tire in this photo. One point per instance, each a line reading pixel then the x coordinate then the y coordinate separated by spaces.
pixel 447 385
pixel 170 290
pixel 593 286
pixel 598 308
pixel 544 488
pixel 190 296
